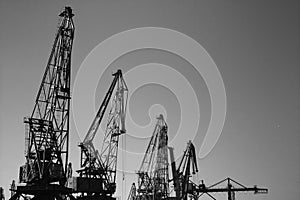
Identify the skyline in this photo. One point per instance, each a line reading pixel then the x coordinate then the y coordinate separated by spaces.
pixel 255 46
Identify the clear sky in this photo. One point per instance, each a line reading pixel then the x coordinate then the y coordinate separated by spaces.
pixel 255 44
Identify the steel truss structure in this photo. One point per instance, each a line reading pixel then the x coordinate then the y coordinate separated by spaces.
pixel 47 129
pixel 153 175
pixel 98 170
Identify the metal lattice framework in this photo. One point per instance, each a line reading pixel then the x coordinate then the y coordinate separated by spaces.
pixel 101 167
pixel 114 128
pixel 227 185
pixel 186 167
pixel 47 129
pixel 153 174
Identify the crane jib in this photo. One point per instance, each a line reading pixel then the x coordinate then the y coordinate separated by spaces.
pixel 101 165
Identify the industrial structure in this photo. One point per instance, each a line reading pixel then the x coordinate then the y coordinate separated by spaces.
pixel 231 187
pixel 182 174
pixel 47 129
pixel 184 187
pixel 47 173
pixel 97 176
pixel 153 174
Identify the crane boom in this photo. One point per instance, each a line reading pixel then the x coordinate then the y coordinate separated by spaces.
pixel 97 120
pixel 182 174
pixel 102 166
pixel 153 173
pixel 114 128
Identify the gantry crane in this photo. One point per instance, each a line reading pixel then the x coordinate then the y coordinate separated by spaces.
pixel 153 174
pixel 47 129
pixel 231 188
pixel 98 170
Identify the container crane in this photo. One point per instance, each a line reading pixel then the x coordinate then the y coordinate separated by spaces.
pixel 153 174
pixel 98 170
pixel 47 129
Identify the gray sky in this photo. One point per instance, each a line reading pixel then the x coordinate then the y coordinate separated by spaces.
pixel 255 44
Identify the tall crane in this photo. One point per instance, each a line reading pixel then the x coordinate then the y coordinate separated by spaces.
pixel 182 174
pixel 98 170
pixel 47 129
pixel 153 174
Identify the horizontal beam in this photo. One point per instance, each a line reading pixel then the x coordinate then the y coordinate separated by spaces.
pixel 254 189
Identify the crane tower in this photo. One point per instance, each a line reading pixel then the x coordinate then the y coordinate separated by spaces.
pixel 47 129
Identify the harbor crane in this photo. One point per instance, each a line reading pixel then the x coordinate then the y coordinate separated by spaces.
pixel 97 176
pixel 186 189
pixel 47 129
pixel 182 174
pixel 153 174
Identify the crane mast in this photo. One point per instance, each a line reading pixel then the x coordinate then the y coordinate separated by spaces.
pixel 100 168
pixel 153 173
pixel 47 129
